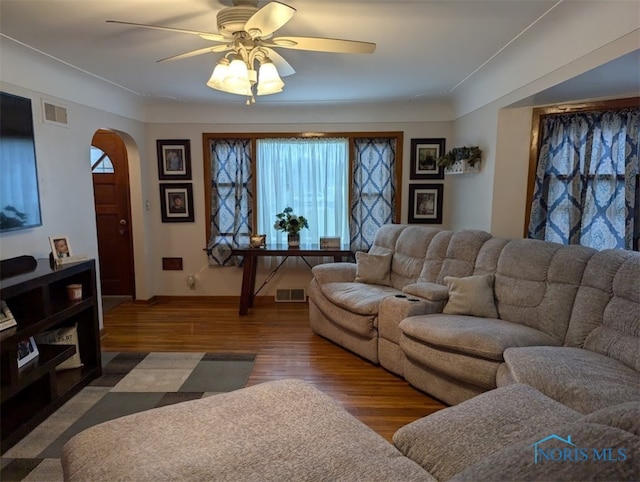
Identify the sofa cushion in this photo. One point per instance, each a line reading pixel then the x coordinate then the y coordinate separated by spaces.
pixel 471 295
pixel 536 284
pixel 373 268
pixel 409 254
pixel 597 452
pixel 594 294
pixel 625 416
pixel 461 254
pixel 619 335
pixel 482 337
pixel 274 431
pixel 359 298
pixel 448 441
pixel 581 379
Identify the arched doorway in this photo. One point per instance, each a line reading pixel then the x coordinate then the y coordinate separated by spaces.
pixel 110 171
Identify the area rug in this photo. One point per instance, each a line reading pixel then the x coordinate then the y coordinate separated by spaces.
pixel 130 383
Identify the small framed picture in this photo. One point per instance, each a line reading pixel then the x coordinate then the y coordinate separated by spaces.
pixel 60 247
pixel 176 201
pixel 425 203
pixel 6 317
pixel 5 312
pixel 174 159
pixel 424 158
pixel 27 351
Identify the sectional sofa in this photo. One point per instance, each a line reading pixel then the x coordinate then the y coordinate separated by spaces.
pixel 535 345
pixel 460 313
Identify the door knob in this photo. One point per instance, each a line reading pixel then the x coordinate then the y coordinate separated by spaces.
pixel 123 222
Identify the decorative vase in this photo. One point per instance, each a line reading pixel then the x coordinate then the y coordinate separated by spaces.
pixel 293 240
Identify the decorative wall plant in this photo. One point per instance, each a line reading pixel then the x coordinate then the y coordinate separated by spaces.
pixel 460 160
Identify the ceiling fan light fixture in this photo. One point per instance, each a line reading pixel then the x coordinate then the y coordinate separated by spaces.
pixel 269 79
pixel 219 74
pixel 237 77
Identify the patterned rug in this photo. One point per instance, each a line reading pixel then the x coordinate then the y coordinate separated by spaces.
pixel 130 383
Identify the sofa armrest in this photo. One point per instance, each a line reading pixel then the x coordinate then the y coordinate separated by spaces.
pixel 428 291
pixel 334 273
pixel 394 309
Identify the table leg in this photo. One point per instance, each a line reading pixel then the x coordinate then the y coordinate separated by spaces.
pixel 252 281
pixel 248 282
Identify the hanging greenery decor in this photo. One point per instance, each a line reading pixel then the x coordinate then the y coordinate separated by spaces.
pixel 471 155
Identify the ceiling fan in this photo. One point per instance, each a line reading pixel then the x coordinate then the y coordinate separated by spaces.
pixel 246 33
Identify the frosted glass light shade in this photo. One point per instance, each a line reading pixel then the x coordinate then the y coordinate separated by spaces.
pixel 269 81
pixel 218 75
pixel 237 78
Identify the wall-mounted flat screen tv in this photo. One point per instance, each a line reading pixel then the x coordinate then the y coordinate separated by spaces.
pixel 19 197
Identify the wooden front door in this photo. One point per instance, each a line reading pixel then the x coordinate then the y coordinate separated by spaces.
pixel 113 213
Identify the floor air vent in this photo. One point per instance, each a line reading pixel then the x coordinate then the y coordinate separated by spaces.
pixel 291 295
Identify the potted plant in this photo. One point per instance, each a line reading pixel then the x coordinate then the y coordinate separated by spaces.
pixel 460 160
pixel 292 224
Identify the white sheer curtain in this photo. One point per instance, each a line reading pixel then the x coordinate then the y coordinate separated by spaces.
pixel 310 176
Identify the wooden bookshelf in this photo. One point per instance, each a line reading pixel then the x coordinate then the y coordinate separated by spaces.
pixel 38 301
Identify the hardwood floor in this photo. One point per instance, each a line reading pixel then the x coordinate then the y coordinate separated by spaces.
pixel 286 348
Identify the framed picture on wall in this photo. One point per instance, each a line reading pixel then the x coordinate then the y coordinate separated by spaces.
pixel 174 159
pixel 176 201
pixel 424 157
pixel 425 203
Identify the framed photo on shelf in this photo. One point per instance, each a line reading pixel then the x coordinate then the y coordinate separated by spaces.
pixel 27 351
pixel 60 246
pixel 424 157
pixel 6 317
pixel 176 201
pixel 174 159
pixel 425 203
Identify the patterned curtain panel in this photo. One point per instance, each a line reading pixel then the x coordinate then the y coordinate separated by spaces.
pixel 231 198
pixel 373 190
pixel 586 181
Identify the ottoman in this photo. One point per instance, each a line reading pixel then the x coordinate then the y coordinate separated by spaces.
pixel 275 431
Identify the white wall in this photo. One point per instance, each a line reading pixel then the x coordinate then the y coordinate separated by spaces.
pixel 576 41
pixel 187 240
pixel 63 159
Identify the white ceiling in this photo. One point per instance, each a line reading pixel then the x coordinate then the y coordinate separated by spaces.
pixel 425 49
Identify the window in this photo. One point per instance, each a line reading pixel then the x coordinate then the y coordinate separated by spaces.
pixel 586 182
pixel 100 162
pixel 344 183
pixel 310 176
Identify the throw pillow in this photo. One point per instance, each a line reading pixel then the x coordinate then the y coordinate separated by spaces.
pixel 63 336
pixel 472 295
pixel 373 268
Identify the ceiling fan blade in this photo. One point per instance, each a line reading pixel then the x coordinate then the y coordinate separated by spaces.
pixel 205 35
pixel 323 45
pixel 269 19
pixel 193 53
pixel 284 67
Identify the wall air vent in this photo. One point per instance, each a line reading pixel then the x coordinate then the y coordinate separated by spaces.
pixel 291 295
pixel 54 114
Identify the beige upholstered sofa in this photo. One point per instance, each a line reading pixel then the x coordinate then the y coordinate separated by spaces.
pixel 563 319
pixel 543 375
pixel 288 430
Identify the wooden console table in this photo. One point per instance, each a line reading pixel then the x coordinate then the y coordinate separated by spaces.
pixel 250 264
